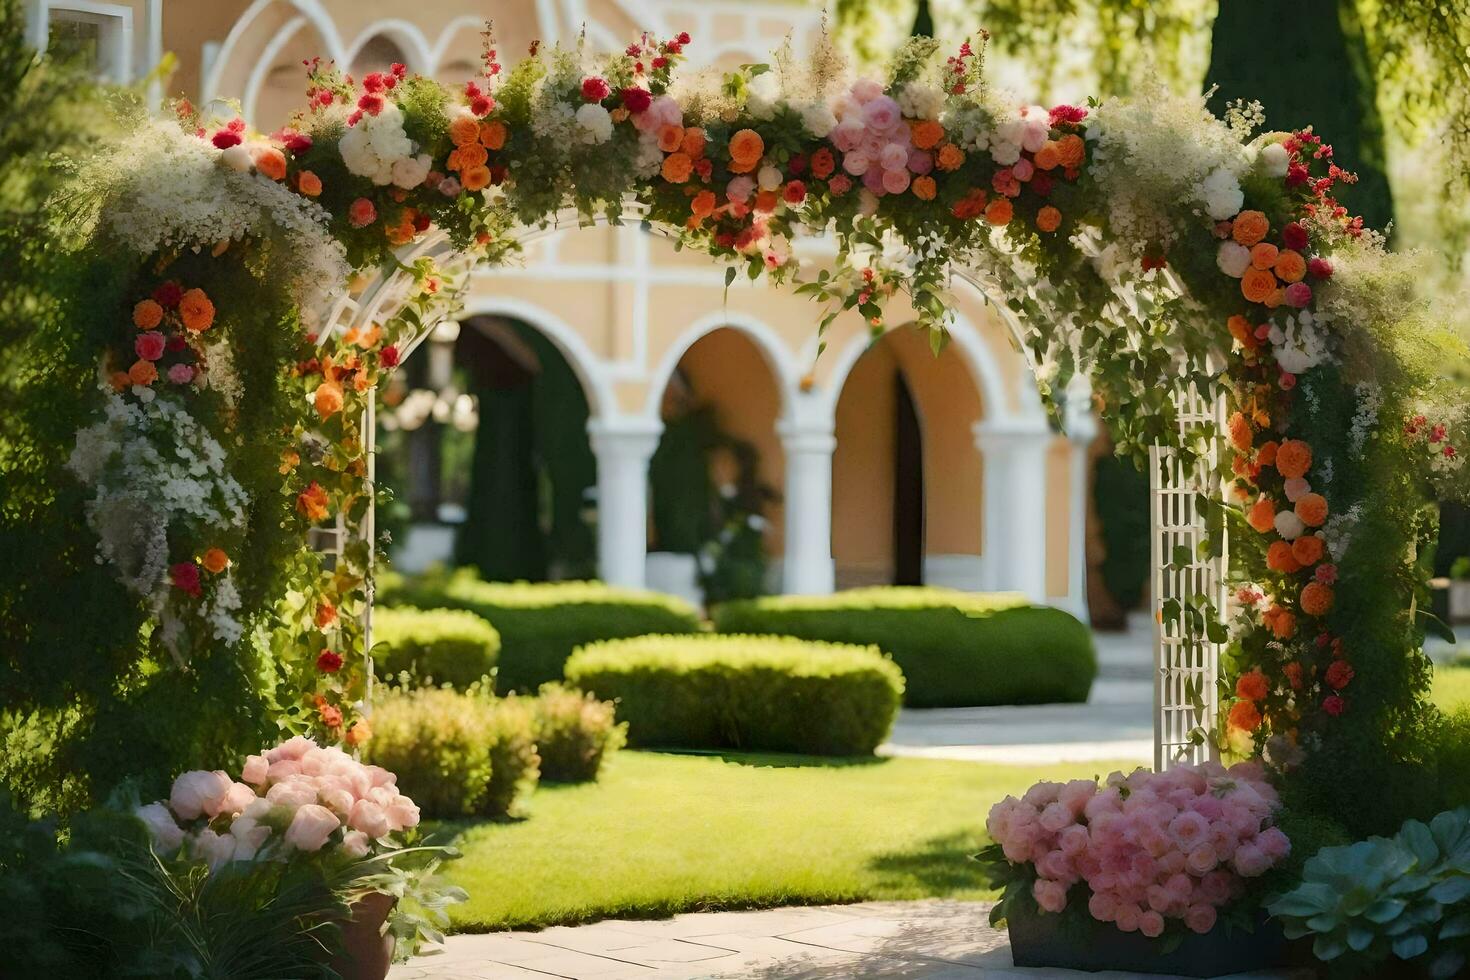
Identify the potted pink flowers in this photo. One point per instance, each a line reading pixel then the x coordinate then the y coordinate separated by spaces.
pixel 1150 872
pixel 327 816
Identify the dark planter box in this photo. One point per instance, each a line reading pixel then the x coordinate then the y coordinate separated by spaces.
pixel 1040 939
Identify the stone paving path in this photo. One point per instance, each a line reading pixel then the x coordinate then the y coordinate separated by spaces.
pixel 935 940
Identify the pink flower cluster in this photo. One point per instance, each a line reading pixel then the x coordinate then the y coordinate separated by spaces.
pixel 296 797
pixel 876 143
pixel 1149 846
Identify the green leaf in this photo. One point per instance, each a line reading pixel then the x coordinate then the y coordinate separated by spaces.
pixel 1408 947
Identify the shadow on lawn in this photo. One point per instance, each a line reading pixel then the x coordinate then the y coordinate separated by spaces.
pixel 779 760
pixel 939 867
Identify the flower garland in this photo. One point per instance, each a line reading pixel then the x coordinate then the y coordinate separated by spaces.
pixel 1131 236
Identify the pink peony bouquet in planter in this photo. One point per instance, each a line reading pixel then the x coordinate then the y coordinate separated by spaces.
pixel 295 798
pixel 1144 852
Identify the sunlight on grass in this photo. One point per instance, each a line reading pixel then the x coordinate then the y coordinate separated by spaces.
pixel 666 833
pixel 1451 686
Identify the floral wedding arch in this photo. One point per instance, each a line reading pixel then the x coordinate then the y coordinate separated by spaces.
pixel 1256 345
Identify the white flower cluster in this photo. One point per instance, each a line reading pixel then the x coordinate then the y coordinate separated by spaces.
pixel 166 189
pixel 1337 533
pixel 377 148
pixel 919 100
pixel 1024 128
pixel 154 471
pixel 1301 343
pixel 1365 419
pixel 594 124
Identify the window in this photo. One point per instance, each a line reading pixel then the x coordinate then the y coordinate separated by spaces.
pixel 97 35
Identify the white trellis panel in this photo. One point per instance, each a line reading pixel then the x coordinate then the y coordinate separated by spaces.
pixel 1186 662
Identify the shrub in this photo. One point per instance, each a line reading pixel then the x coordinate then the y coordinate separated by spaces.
pixel 1452 758
pixel 541 624
pixel 436 741
pixel 514 762
pixel 748 692
pixel 575 732
pixel 954 648
pixel 445 646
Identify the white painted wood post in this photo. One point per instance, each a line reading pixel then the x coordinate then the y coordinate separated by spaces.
pixel 1081 426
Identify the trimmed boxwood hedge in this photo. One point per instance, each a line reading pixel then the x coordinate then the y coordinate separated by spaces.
pixel 445 646
pixel 540 624
pixel 955 648
pixel 773 693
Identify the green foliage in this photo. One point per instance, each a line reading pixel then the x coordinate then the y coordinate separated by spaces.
pixel 435 741
pixel 747 692
pixel 1405 898
pixel 1452 758
pixel 954 648
pixel 444 646
pixel 1460 568
pixel 515 765
pixel 541 624
pixel 575 733
pixel 1120 493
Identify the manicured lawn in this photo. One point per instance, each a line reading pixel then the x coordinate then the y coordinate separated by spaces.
pixel 1451 686
pixel 664 833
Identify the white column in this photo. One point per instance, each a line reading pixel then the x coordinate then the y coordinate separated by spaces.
pixel 1081 426
pixel 623 447
pixel 1014 455
pixel 806 568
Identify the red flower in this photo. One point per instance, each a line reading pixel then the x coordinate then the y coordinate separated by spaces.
pixel 595 89
pixel 1326 574
pixel 149 346
pixel 168 295
pixel 331 715
pixel 329 662
pixel 1339 673
pixel 636 99
pixel 185 575
pixel 1297 175
pixel 388 356
pixel 797 164
pixel 362 213
pixel 1319 268
pixel 370 103
pixel 1294 236
pixel 176 343
pixel 374 82
pixel 482 105
pixel 297 143
pixel 1067 114
pixel 683 37
pixel 1334 705
pixel 795 192
pixel 224 139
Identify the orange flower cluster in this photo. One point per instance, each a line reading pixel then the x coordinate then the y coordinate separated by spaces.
pixel 474 140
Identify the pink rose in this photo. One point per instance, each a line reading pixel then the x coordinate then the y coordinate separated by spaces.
pixel 739 189
pixel 1073 840
pixel 1202 860
pixel 216 850
pixel 255 770
pixel 1127 916
pixel 1274 843
pixel 1023 169
pixel 282 770
pixel 1151 924
pixel 181 374
pixel 149 346
pixel 921 162
pixel 337 799
pixel 403 813
pixel 237 798
pixel 865 90
pixel 296 791
pixel 292 748
pixel 1297 488
pixel 361 213
pixel 1102 906
pixel 1050 895
pixel 369 818
pixel 895 181
pixel 1217 886
pixel 1319 268
pixel 1200 918
pixel 355 843
pixel 847 135
pixel 1298 294
pixel 893 157
pixel 1251 861
pixel 856 163
pixel 249 837
pixel 881 112
pixel 310 827
pixel 1189 829
pixel 161 827
pixel 199 793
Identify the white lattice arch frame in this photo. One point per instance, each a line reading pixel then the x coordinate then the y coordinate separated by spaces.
pixel 1186 661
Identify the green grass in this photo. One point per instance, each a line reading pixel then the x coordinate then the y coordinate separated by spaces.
pixel 1451 686
pixel 663 833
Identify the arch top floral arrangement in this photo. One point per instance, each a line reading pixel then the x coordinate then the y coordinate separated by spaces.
pixel 1142 240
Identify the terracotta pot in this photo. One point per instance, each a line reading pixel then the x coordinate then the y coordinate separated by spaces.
pixel 367 951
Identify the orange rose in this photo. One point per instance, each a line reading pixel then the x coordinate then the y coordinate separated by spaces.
pixel 308 183
pixel 823 163
pixel 693 142
pixel 927 134
pixel 271 162
pixel 492 134
pixel 311 503
pixel 1252 686
pixel 677 167
pixel 1266 454
pixel 950 157
pixel 1249 227
pixel 326 614
pixel 464 130
pixel 972 205
pixel 765 201
pixel 1280 557
pixel 1241 436
pixel 1245 716
pixel 1071 150
pixel 924 188
pixel 670 138
pixel 746 150
pixel 147 314
pixel 1290 266
pixel 1307 550
pixel 1312 509
pixel 999 211
pixel 196 311
pixel 1263 255
pixel 1262 515
pixel 328 399
pixel 1278 295
pixel 1316 599
pixel 473 155
pixel 143 373
pixel 119 380
pixel 1257 285
pixel 1294 458
pixel 358 733
pixel 215 561
pixel 1049 157
pixel 703 204
pixel 475 178
pixel 1048 219
pixel 1281 622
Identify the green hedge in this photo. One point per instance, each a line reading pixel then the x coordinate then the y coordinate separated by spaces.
pixel 443 646
pixel 575 733
pixel 955 648
pixel 774 693
pixel 540 624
